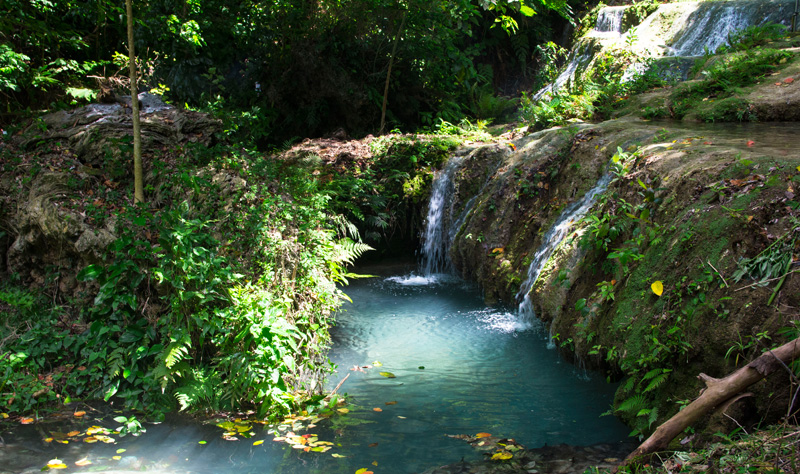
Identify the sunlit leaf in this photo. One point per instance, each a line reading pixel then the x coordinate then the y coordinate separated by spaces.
pixel 90 439
pixel 343 411
pixel 48 440
pixel 377 409
pixel 56 464
pixel 388 375
pixel 401 417
pixel 79 414
pixel 337 455
pixel 391 403
pixel 258 443
pixel 502 456
pixel 73 433
pixel 26 421
pixel 62 441
pixel 4 415
pixel 116 458
pixel 482 435
pixel 121 450
pixel 377 364
pixel 83 462
pixel 526 10
pixel 657 287
pixel 202 442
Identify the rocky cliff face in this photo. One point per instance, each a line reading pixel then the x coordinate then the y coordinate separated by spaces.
pixel 686 205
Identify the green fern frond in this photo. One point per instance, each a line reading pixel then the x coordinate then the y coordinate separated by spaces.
pixel 656 382
pixel 633 404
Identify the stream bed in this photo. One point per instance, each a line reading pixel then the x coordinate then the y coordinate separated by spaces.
pixel 458 366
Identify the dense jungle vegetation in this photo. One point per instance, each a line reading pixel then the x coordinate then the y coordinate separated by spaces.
pixel 216 294
pixel 204 281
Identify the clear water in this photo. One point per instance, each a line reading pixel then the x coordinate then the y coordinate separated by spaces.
pixel 483 372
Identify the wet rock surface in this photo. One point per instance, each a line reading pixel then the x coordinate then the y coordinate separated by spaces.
pixel 504 455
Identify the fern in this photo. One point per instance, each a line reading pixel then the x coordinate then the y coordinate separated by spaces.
pixel 634 404
pixel 657 381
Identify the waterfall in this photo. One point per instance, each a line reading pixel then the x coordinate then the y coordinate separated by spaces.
pixel 550 241
pixel 435 239
pixel 609 21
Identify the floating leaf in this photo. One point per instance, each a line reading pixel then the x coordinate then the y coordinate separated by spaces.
pixel 202 442
pixel 56 464
pixel 657 287
pixel 482 435
pixel 374 463
pixel 502 456
pixel 377 409
pixel 26 421
pixel 421 367
pixel 372 445
pixel 401 417
pixel 343 411
pixel 78 414
pixel 116 458
pixel 121 450
pixel 82 462
pixel 90 439
pixel 73 433
pixel 258 443
pixel 337 455
pixel 388 375
pixel 377 364
pixel 391 403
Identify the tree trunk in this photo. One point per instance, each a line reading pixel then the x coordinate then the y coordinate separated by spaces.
pixel 138 186
pixel 389 72
pixel 716 393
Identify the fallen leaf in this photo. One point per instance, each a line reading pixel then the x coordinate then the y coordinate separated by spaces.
pixel 26 421
pixel 377 409
pixel 116 458
pixel 788 80
pixel 82 462
pixel 73 433
pixel 258 443
pixel 4 415
pixel 202 442
pixel 90 439
pixel 657 287
pixel 337 455
pixel 483 435
pixel 372 445
pixel 121 450
pixel 377 364
pixel 374 463
pixel 391 403
pixel 750 143
pixel 388 375
pixel 79 414
pixel 56 464
pixel 502 456
pixel 343 411
pixel 708 143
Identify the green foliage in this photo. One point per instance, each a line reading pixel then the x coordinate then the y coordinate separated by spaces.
pixel 752 37
pixel 721 80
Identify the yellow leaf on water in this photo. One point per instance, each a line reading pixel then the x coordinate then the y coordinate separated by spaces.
pixel 502 456
pixel 388 375
pixel 82 462
pixel 337 455
pixel 374 463
pixel 56 464
pixel 482 435
pixel 78 414
pixel 362 470
pixel 657 287
pixel 73 433
pixel 116 458
pixel 343 411
pixel 121 450
pixel 259 442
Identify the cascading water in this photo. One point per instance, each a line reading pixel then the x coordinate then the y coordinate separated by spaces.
pixel 609 21
pixel 551 239
pixel 435 238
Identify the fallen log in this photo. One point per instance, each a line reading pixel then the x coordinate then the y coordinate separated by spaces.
pixel 716 394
